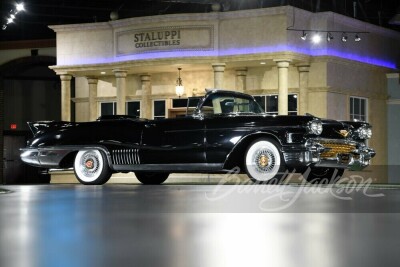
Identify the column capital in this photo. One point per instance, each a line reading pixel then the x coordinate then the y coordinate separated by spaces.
pixel 65 77
pixel 145 77
pixel 241 71
pixel 120 73
pixel 218 67
pixel 392 75
pixel 92 80
pixel 282 63
pixel 303 67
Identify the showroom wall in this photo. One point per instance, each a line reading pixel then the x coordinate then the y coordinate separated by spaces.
pixel 393 85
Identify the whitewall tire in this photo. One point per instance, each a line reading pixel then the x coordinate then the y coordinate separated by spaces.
pixel 264 162
pixel 91 167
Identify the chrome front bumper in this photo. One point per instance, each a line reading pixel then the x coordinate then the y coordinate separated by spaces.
pixel 342 154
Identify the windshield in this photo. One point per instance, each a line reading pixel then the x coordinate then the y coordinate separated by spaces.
pixel 221 103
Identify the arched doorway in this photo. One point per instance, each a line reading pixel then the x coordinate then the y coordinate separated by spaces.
pixel 29 91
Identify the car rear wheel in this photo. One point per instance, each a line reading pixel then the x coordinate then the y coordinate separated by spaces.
pixel 151 177
pixel 91 167
pixel 319 175
pixel 264 162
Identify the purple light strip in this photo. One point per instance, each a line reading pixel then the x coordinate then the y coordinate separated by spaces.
pixel 246 51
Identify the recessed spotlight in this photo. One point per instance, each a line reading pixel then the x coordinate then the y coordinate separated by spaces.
pixel 316 38
pixel 344 37
pixel 357 38
pixel 304 36
pixel 329 37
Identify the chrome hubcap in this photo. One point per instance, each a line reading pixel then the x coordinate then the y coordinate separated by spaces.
pixel 90 164
pixel 265 161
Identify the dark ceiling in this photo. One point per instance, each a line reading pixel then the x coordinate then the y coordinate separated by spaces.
pixel 32 23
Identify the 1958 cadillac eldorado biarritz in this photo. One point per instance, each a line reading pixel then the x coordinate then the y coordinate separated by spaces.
pixel 225 130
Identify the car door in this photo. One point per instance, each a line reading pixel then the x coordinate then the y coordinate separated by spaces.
pixel 173 141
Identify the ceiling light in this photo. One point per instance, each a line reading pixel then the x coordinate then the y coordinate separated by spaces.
pixel 316 38
pixel 344 37
pixel 329 36
pixel 357 38
pixel 103 72
pixel 13 12
pixel 19 7
pixel 304 36
pixel 263 63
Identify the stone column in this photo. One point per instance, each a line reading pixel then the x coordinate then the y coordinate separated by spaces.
pixel 2 179
pixel 283 79
pixel 219 69
pixel 92 98
pixel 241 79
pixel 303 88
pixel 120 77
pixel 65 97
pixel 145 105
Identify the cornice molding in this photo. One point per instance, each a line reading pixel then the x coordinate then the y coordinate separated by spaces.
pixel 392 75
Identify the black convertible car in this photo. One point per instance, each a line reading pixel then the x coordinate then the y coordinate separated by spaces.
pixel 226 130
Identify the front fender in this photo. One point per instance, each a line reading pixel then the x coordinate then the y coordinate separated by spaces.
pixel 236 157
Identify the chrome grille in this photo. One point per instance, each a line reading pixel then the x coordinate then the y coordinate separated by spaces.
pixel 125 156
pixel 336 148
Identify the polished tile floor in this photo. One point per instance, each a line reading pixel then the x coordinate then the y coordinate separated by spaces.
pixel 199 225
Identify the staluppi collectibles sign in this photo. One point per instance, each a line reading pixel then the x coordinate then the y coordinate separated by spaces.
pixel 174 38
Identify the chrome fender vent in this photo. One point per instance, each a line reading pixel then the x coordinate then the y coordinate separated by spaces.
pixel 125 156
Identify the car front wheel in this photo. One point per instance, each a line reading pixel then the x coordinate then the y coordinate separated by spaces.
pixel 264 162
pixel 91 167
pixel 151 177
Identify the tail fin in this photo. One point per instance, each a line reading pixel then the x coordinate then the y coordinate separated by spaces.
pixel 38 127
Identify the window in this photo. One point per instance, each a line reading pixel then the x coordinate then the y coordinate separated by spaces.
pixel 179 103
pixel 108 108
pixel 358 108
pixel 222 103
pixel 270 103
pixel 159 109
pixel 133 108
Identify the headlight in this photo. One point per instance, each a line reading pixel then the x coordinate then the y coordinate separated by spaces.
pixel 364 132
pixel 314 127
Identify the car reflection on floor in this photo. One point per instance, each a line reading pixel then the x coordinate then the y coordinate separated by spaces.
pixel 197 225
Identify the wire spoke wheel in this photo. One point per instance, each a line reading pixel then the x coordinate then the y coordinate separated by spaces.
pixel 90 167
pixel 263 161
